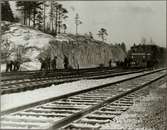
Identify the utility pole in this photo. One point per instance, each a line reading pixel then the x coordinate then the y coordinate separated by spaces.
pixel 77 22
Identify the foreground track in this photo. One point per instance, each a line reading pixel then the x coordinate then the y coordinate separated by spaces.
pixel 13 86
pixel 102 117
pixel 56 113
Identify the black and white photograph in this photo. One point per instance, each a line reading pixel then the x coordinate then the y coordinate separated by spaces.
pixel 83 65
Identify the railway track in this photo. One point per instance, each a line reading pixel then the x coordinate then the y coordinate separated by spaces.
pixel 100 118
pixel 13 86
pixel 7 76
pixel 58 75
pixel 62 112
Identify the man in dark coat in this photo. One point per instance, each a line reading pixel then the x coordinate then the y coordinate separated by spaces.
pixel 54 63
pixel 16 64
pixel 66 62
pixel 110 61
pixel 43 64
pixel 9 65
pixel 48 63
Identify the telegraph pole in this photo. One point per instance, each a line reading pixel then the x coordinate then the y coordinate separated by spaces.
pixel 77 22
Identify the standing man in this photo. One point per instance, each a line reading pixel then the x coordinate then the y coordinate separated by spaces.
pixel 18 63
pixel 48 63
pixel 110 61
pixel 54 63
pixel 66 62
pixel 18 66
pixel 15 65
pixel 9 65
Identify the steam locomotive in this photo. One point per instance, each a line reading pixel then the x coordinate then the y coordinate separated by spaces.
pixel 142 56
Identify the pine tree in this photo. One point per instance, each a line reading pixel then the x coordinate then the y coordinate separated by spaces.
pixel 35 14
pixel 102 33
pixel 62 16
pixel 51 16
pixel 7 14
pixel 45 5
pixel 57 15
pixel 25 8
pixel 39 20
pixel 36 11
pixel 30 10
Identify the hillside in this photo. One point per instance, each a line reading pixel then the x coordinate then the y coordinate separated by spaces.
pixel 30 45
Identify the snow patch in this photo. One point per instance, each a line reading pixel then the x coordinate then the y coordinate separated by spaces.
pixel 13 100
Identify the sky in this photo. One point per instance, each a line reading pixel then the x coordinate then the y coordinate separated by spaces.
pixel 125 21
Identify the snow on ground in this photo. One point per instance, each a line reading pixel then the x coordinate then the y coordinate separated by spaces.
pixel 147 114
pixel 9 101
pixel 3 67
pixel 36 65
pixel 32 65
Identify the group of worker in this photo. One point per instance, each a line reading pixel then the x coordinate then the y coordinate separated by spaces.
pixel 48 64
pixel 51 64
pixel 12 65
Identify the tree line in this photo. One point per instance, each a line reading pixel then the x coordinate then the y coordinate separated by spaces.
pixel 47 16
pixel 6 12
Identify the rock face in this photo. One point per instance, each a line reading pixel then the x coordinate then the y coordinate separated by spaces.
pixel 30 45
pixel 85 52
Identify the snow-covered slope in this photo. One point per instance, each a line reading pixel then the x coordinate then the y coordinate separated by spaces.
pixel 31 44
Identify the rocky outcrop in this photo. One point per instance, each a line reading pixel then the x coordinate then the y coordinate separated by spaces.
pixel 85 52
pixel 82 51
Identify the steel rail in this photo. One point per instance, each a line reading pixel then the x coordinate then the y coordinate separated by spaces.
pixel 12 87
pixel 82 113
pixel 12 110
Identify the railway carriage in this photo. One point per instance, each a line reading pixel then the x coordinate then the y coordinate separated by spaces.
pixel 141 56
pixel 139 60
